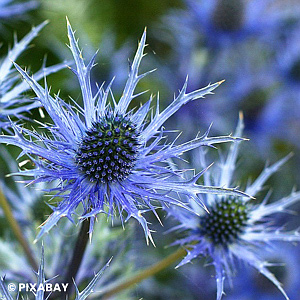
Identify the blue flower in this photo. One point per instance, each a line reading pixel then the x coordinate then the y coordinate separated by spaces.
pixel 12 101
pixel 8 9
pixel 221 38
pixel 235 230
pixel 106 157
pixel 224 23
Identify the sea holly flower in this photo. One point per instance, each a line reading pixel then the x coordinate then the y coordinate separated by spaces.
pixel 12 101
pixel 235 230
pixel 221 38
pixel 106 157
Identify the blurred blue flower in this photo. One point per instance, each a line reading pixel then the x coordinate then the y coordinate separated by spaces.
pixel 10 8
pixel 12 100
pixel 206 51
pixel 224 23
pixel 105 157
pixel 234 40
pixel 235 230
pixel 204 36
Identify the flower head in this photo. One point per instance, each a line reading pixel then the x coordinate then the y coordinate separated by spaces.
pixel 235 230
pixel 12 102
pixel 105 156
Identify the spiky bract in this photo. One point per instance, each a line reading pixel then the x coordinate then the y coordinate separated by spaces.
pixel 12 101
pixel 11 9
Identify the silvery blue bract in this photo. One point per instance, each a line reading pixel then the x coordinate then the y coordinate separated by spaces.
pixel 12 100
pixel 9 8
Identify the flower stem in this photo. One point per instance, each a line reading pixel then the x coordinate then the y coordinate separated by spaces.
pixel 17 230
pixel 78 253
pixel 141 275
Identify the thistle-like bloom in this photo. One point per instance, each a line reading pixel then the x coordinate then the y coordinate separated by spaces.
pixel 105 156
pixel 12 102
pixel 9 9
pixel 235 230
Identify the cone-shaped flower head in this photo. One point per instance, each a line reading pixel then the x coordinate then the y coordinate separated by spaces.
pixel 235 230
pixel 12 102
pixel 105 157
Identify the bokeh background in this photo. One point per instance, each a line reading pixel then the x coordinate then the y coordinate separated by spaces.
pixel 253 45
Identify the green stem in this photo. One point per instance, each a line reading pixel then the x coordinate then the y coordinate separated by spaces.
pixel 77 257
pixel 17 230
pixel 141 275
